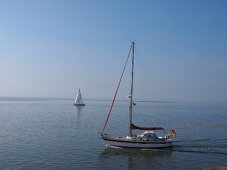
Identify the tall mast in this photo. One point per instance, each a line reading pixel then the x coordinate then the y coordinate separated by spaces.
pixel 131 90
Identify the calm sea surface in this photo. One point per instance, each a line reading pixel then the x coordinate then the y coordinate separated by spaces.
pixel 54 134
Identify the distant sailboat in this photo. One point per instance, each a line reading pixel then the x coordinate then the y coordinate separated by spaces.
pixel 79 100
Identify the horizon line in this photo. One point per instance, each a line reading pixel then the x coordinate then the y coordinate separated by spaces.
pixel 26 98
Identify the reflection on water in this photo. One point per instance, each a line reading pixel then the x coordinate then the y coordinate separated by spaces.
pixel 5 138
pixel 79 109
pixel 133 158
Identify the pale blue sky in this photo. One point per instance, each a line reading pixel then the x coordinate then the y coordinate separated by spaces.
pixel 50 48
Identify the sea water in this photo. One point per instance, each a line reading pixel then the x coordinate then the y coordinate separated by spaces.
pixel 54 134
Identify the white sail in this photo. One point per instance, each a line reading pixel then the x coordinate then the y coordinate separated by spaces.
pixel 79 100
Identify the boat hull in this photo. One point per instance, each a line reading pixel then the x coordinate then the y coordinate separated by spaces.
pixel 75 104
pixel 138 144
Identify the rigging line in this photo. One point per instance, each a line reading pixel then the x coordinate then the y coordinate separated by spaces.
pixel 148 91
pixel 117 88
pixel 147 79
pixel 143 79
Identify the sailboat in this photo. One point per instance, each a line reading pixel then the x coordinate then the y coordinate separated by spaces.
pixel 79 100
pixel 147 138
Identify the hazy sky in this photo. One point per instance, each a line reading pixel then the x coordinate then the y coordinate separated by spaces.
pixel 50 48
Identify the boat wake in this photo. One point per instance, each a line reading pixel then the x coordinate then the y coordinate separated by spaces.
pixel 206 145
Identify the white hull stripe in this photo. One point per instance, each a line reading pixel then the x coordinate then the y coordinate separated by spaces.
pixel 135 142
